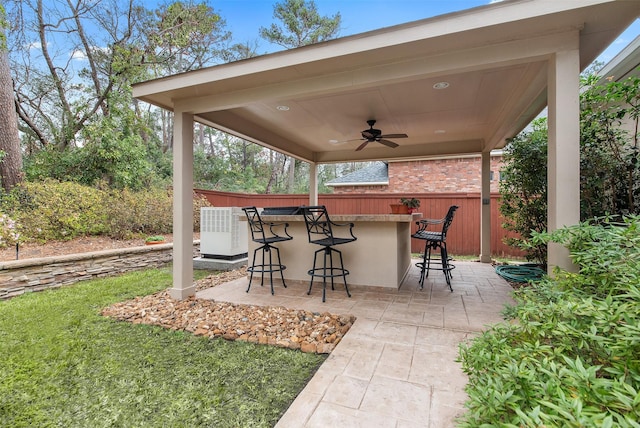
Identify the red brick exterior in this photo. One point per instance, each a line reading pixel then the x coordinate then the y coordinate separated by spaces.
pixel 434 175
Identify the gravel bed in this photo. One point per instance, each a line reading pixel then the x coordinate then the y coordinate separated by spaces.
pixel 269 325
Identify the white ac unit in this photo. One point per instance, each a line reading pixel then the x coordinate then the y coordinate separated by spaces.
pixel 222 234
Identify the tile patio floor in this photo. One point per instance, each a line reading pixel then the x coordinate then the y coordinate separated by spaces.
pixel 396 366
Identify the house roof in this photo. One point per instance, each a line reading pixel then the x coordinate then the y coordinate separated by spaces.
pixel 624 64
pixel 376 174
pixel 313 102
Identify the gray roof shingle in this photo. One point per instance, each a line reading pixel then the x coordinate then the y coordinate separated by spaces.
pixel 378 173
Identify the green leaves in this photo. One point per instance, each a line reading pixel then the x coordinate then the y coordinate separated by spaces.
pixel 301 24
pixel 570 355
pixel 51 210
pixel 524 190
pixel 609 147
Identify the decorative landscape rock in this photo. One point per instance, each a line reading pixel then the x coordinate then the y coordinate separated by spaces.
pixel 267 325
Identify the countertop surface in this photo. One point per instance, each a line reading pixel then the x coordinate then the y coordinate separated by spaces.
pixel 341 218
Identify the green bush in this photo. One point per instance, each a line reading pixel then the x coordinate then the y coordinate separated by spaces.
pixel 52 210
pixel 524 190
pixel 570 355
pixel 112 153
pixel 135 213
pixel 9 233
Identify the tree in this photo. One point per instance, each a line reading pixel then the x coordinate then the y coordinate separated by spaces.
pixel 301 25
pixel 86 51
pixel 72 63
pixel 610 171
pixel 524 189
pixel 10 155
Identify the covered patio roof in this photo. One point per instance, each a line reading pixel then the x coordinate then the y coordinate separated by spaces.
pixel 494 59
pixel 497 66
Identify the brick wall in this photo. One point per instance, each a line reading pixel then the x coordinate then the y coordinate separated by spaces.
pixel 22 276
pixel 433 175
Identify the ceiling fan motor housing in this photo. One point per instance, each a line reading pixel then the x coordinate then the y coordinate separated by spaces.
pixel 371 133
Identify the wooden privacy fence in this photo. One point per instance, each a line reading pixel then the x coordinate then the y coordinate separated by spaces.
pixel 463 237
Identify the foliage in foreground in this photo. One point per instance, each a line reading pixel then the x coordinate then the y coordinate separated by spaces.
pixel 63 364
pixel 52 210
pixel 570 356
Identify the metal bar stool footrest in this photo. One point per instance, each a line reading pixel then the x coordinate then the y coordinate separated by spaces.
pixel 330 272
pixel 424 270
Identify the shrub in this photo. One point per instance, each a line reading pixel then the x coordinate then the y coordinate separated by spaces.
pixel 9 234
pixel 51 210
pixel 146 213
pixel 139 213
pixel 570 356
pixel 524 190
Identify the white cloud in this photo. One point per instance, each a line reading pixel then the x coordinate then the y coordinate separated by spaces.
pixel 34 45
pixel 78 55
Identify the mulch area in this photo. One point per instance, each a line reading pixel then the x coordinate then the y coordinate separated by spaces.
pixel 86 244
pixel 277 326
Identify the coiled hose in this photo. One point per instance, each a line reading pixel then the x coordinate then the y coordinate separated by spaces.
pixel 520 273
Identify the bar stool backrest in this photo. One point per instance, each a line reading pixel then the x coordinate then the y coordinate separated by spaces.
pixel 318 223
pixel 255 224
pixel 448 219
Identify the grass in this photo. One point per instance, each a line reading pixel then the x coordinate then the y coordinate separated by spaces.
pixel 62 364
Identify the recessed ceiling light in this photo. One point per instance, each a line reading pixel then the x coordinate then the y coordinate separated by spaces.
pixel 333 141
pixel 441 85
pixel 282 108
pixel 439 131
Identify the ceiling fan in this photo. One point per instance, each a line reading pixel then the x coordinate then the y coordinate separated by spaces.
pixel 375 135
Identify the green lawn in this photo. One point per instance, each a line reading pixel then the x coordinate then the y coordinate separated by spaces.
pixel 64 365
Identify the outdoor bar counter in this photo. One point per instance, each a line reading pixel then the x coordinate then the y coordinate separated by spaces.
pixel 380 257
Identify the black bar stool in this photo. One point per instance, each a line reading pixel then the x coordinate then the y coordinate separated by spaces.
pixel 264 233
pixel 320 232
pixel 434 240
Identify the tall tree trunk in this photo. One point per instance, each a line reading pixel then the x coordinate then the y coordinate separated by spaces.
pixel 292 175
pixel 11 162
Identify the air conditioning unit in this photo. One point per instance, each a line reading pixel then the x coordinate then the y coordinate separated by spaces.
pixel 222 234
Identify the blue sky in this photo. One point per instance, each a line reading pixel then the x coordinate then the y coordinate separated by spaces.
pixel 245 17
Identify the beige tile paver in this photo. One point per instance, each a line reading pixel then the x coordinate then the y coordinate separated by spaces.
pixel 396 366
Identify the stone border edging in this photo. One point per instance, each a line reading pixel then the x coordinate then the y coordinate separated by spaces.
pixel 21 276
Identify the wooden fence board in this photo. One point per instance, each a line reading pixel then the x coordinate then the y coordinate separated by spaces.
pixel 463 237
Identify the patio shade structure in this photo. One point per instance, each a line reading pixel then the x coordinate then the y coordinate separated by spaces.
pixel 459 83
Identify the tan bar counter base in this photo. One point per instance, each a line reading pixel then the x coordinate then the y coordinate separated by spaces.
pixel 380 257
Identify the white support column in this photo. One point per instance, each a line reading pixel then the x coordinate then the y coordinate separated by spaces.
pixel 313 184
pixel 485 209
pixel 183 284
pixel 564 151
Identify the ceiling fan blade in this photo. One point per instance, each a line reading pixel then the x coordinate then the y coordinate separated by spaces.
pixel 362 146
pixel 394 136
pixel 337 143
pixel 388 143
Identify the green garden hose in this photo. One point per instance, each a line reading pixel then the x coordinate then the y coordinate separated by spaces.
pixel 520 273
